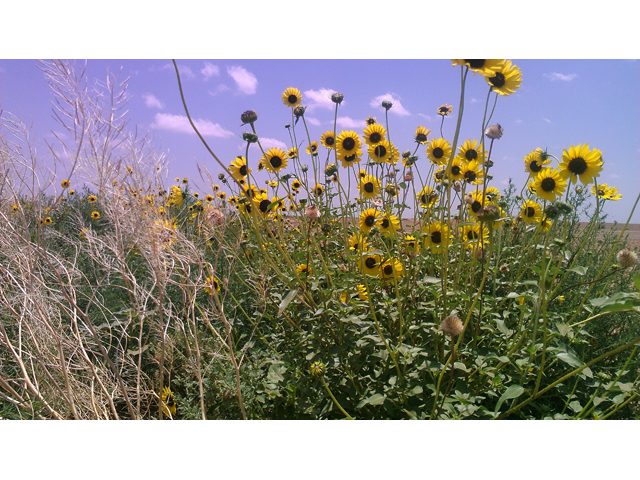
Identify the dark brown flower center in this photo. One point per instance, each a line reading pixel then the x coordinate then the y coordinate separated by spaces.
pixel 455 170
pixel 243 170
pixel 530 212
pixel 476 206
pixel 349 158
pixel 368 187
pixel 472 235
pixel 601 193
pixel 370 262
pixel 384 223
pixel 348 143
pixel 470 176
pixel 275 161
pixel 380 151
pixel 388 270
pixel 471 154
pixel 292 99
pixel 475 63
pixel 498 80
pixel 436 237
pixel 534 167
pixel 329 140
pixel 421 137
pixel 264 205
pixel 438 152
pixel 375 137
pixel 370 220
pixel 314 148
pixel 577 166
pixel 548 184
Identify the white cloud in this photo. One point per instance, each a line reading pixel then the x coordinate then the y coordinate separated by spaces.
pixel 473 100
pixel 219 89
pixel 312 121
pixel 151 101
pixel 397 108
pixel 614 175
pixel 210 70
pixel 348 122
pixel 245 80
pixel 426 117
pixel 180 124
pixel 518 121
pixel 183 69
pixel 560 76
pixel 266 143
pixel 546 120
pixel 320 98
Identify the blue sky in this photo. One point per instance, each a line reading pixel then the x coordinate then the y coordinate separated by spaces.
pixel 560 103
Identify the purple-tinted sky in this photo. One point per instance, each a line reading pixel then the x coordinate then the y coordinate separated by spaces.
pixel 560 103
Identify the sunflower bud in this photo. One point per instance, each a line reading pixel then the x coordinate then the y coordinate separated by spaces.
pixel 299 111
pixel 221 176
pixel 551 212
pixel 489 214
pixel 488 164
pixel 317 369
pixel 406 154
pixel 494 132
pixel 249 137
pixel 304 168
pixel 386 104
pixel 331 169
pixel 337 98
pixel 563 207
pixel 249 116
pixel 579 189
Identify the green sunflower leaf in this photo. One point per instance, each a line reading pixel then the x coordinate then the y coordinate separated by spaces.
pixel 286 301
pixel 514 391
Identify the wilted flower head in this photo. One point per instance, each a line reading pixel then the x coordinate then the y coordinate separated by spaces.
pixel 457 186
pixel 215 217
pixel 468 199
pixel 494 131
pixel 377 202
pixel 337 98
pixel 452 325
pixel 312 212
pixel 408 176
pixel 627 258
pixel 249 116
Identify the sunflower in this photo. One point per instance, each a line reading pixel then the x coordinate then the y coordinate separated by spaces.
pixel 65 184
pixel 395 154
pixel 222 195
pixel 48 221
pixel 368 219
pixel 296 185
pixel 469 151
pixel 421 135
pixel 211 284
pixel 472 172
pixel 427 197
pixel 362 174
pixel 456 169
pixel 209 198
pixel 439 174
pixel 544 225
pixel 445 110
pixel 389 224
pixel 605 192
pixel 352 159
pixel 262 203
pixel 392 269
pixel 506 80
pixel 348 143
pixel 369 187
pixel 328 140
pixel 579 162
pixel 312 148
pixel 549 185
pixel 437 235
pixel 92 199
pixel 251 191
pixel 475 203
pixel 370 264
pixel 374 134
pixel 380 152
pixel 439 151
pixel 95 215
pixel 317 190
pixel 291 97
pixel 185 180
pixel 274 160
pixel 492 194
pixel 362 292
pixel 238 168
pixel 292 152
pixel 358 242
pixel 304 268
pixel 471 235
pixel 168 402
pixel 412 244
pixel 484 67
pixel 531 212
pixel 72 193
pixel 535 161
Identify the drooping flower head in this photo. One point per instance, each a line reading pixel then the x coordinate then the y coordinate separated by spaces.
pixel 536 161
pixel 421 135
pixel 506 80
pixel 605 192
pixel 484 67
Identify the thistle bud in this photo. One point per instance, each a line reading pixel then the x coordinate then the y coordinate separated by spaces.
pixel 406 154
pixel 249 116
pixel 626 258
pixel 337 98
pixel 452 325
pixel 377 202
pixel 312 212
pixel 494 132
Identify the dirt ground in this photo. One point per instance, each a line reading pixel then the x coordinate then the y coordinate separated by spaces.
pixel 633 230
